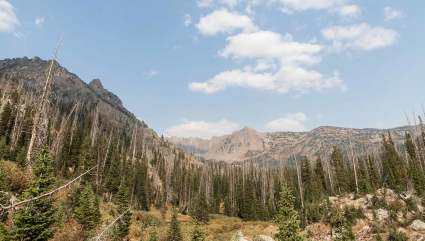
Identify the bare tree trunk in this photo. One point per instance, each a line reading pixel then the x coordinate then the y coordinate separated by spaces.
pixel 300 182
pixel 354 164
pixel 41 105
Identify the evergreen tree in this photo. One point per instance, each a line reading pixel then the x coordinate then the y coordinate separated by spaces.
pixel 394 168
pixel 373 173
pixel 174 232
pixel 34 221
pixel 123 224
pixel 198 233
pixel 4 149
pixel 6 117
pixel 200 212
pixel 415 169
pixel 319 177
pixel 287 218
pixel 342 177
pixel 87 211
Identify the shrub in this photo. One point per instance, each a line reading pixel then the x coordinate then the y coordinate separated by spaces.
pixel 397 236
pixel 14 178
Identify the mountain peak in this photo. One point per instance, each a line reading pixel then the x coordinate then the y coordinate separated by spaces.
pixel 96 84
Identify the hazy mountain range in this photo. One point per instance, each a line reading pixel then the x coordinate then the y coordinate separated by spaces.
pixel 249 144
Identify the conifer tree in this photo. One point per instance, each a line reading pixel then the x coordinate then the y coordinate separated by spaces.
pixel 341 175
pixel 87 211
pixel 415 169
pixel 200 212
pixel 34 221
pixel 123 224
pixel 198 233
pixel 4 149
pixel 287 218
pixel 307 180
pixel 373 173
pixel 319 177
pixel 174 232
pixel 394 168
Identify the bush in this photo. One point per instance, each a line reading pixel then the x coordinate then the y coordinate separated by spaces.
pixel 14 179
pixel 397 236
pixel 351 214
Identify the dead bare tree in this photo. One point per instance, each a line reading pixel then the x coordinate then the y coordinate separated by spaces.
pixel 353 160
pixel 42 106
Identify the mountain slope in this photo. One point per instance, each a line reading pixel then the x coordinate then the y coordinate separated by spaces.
pixel 82 118
pixel 249 144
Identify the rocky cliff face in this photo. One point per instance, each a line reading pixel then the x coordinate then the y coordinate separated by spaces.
pixel 249 144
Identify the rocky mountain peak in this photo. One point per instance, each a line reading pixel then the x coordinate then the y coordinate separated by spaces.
pixel 97 86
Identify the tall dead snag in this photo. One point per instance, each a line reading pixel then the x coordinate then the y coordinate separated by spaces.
pixel 37 121
pixel 300 182
pixel 353 159
pixel 58 142
pixel 95 126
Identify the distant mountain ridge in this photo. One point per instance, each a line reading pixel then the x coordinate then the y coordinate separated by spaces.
pixel 249 144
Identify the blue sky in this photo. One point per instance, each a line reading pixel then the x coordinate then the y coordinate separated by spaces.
pixel 209 67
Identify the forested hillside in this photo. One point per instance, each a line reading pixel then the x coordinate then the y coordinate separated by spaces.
pixel 72 156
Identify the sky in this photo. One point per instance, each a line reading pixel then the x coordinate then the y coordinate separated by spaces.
pixel 204 68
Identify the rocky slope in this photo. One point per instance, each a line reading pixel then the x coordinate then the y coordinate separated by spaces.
pixel 249 144
pixel 77 107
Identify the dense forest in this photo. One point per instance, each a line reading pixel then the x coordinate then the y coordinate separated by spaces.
pixel 63 154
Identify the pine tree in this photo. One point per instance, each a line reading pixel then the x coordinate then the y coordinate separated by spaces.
pixel 174 232
pixel 319 177
pixel 394 168
pixel 307 180
pixel 87 211
pixel 200 212
pixel 4 149
pixel 415 169
pixel 287 218
pixel 341 175
pixel 373 173
pixel 198 233
pixel 34 221
pixel 122 201
pixel 5 119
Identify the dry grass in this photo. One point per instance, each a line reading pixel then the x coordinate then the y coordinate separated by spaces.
pixel 219 228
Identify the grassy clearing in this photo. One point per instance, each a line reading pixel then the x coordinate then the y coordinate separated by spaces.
pixel 219 228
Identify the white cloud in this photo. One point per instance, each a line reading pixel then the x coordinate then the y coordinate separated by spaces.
pixel 391 13
pixel 224 21
pixel 230 3
pixel 292 122
pixel 204 3
pixel 39 21
pixel 349 10
pixel 8 19
pixel 342 7
pixel 281 65
pixel 202 129
pixel 360 36
pixel 187 20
